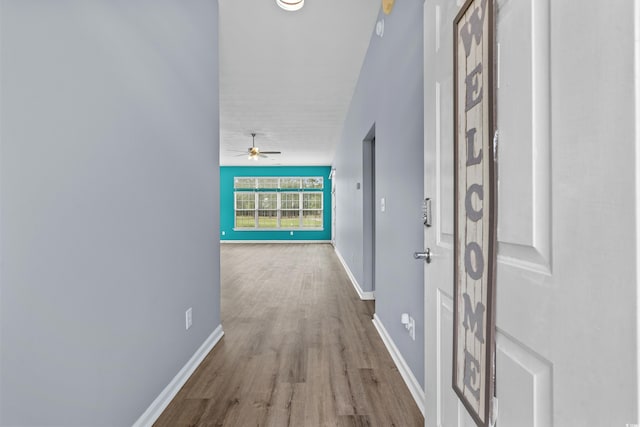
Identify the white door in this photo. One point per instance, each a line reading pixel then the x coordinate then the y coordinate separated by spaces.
pixel 567 284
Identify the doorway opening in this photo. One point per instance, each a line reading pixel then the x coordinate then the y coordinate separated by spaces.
pixel 332 177
pixel 369 209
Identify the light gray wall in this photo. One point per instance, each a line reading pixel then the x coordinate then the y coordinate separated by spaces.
pixel 389 94
pixel 108 202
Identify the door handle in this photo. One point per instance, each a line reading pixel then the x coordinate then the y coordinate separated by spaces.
pixel 426 255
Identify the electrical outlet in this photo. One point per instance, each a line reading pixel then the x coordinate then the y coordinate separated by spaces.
pixel 409 324
pixel 224 233
pixel 188 318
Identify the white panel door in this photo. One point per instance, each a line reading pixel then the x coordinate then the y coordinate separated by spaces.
pixel 566 276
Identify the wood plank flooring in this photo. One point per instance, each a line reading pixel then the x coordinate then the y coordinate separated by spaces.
pixel 299 349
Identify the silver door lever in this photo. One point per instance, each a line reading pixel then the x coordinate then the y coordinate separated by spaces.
pixel 426 255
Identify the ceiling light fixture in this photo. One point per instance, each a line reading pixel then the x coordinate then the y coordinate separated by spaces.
pixel 290 5
pixel 254 152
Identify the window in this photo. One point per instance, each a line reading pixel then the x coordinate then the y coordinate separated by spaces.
pixel 267 210
pixel 244 183
pixel 290 183
pixel 245 210
pixel 267 183
pixel 312 182
pixel 312 210
pixel 267 203
pixel 290 210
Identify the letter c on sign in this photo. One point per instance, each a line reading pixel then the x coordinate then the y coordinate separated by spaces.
pixel 472 214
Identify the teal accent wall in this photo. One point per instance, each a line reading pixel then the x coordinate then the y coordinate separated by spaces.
pixel 227 173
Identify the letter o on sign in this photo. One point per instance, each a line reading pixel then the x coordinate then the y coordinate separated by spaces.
pixel 474 273
pixel 472 214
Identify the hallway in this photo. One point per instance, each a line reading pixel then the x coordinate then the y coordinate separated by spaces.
pixel 299 349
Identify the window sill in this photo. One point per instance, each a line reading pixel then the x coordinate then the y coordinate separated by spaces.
pixel 278 229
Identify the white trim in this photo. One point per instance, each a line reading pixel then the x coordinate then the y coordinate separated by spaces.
pixel 156 408
pixel 252 229
pixel 362 294
pixel 274 241
pixel 636 31
pixel 257 191
pixel 408 377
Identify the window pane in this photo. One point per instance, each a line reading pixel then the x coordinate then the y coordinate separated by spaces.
pixel 268 201
pixel 290 219
pixel 245 219
pixel 244 183
pixel 267 182
pixel 312 200
pixel 290 183
pixel 245 201
pixel 267 219
pixel 312 219
pixel 290 200
pixel 312 182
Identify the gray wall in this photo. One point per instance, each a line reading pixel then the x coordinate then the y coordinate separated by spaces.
pixel 389 94
pixel 108 204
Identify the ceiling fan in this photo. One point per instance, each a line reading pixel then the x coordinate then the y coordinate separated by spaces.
pixel 254 152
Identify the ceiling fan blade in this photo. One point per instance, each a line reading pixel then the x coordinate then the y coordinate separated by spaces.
pixel 270 152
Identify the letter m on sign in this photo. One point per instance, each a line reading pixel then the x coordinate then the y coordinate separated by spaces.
pixel 474 318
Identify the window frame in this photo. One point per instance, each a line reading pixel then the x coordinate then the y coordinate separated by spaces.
pixel 257 191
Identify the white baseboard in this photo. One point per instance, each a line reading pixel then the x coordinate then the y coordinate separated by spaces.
pixel 362 294
pixel 408 377
pixel 274 241
pixel 161 402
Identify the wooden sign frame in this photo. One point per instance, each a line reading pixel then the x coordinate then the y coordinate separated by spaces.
pixel 475 207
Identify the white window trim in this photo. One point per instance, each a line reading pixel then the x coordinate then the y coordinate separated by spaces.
pixel 278 227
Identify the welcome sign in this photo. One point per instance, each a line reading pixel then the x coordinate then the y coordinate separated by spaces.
pixel 475 210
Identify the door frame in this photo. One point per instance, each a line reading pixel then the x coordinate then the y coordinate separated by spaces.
pixel 369 209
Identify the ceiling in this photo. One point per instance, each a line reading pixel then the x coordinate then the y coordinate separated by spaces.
pixel 289 77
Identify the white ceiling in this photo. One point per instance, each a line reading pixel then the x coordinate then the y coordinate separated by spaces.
pixel 289 77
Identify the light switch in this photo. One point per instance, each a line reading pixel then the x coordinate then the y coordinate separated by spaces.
pixel 188 317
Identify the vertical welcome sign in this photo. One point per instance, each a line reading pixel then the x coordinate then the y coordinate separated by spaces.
pixel 475 210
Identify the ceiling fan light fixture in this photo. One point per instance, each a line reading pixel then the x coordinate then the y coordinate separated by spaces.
pixel 254 152
pixel 290 5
